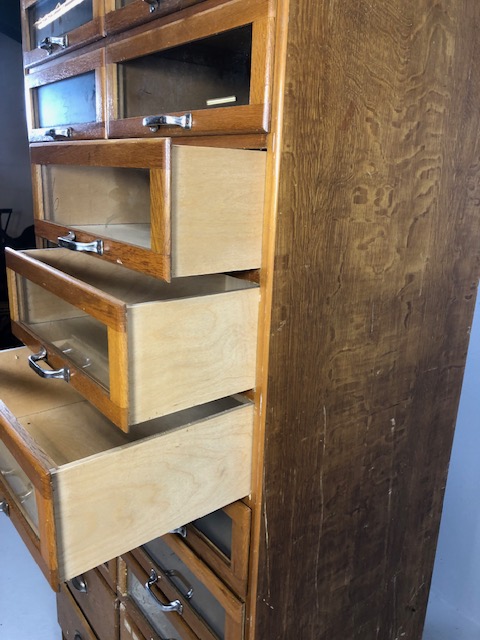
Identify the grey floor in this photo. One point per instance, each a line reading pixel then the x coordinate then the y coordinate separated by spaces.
pixel 27 604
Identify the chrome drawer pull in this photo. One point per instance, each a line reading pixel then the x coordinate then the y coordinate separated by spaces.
pixel 154 122
pixel 180 531
pixel 80 584
pixel 68 242
pixel 173 573
pixel 50 42
pixel 56 134
pixel 25 495
pixel 4 508
pixel 77 636
pixel 175 605
pixel 154 4
pixel 61 374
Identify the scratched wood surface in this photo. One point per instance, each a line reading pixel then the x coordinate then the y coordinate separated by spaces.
pixel 376 270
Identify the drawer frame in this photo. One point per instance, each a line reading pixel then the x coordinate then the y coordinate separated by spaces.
pixel 79 37
pixel 194 25
pixel 68 67
pixel 139 12
pixel 234 570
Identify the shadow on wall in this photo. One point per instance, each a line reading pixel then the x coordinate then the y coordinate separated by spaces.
pixel 25 240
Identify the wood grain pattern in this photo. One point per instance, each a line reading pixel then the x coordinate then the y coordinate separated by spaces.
pixel 98 605
pixel 376 271
pixel 138 12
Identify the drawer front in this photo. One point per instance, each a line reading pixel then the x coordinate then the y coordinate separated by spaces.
pixel 97 602
pixel 105 491
pixel 71 619
pixel 222 540
pixel 185 211
pixel 50 31
pixel 109 572
pixel 207 605
pixel 65 100
pixel 183 78
pixel 145 612
pixel 131 13
pixel 187 343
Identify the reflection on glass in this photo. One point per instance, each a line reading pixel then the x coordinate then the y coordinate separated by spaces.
pixel 49 18
pixel 217 527
pixel 20 486
pixel 69 101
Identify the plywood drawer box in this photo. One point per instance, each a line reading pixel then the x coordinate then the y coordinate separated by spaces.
pixel 134 346
pixel 49 32
pixel 130 13
pixel 80 491
pixel 65 98
pixel 222 540
pixel 160 208
pixel 206 72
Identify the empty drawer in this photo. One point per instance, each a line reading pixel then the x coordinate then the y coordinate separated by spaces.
pixel 80 491
pixel 166 210
pixel 134 346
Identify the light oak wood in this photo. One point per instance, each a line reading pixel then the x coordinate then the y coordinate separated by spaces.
pixel 192 210
pixel 171 470
pixel 186 343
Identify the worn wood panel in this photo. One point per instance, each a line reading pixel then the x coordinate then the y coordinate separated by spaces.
pixel 376 270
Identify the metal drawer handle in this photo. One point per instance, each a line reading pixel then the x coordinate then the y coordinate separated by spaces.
pixel 154 122
pixel 175 605
pixel 173 573
pixel 57 134
pixel 8 472
pixel 77 636
pixel 61 374
pixel 50 42
pixel 4 508
pixel 69 242
pixel 80 584
pixel 154 4
pixel 25 495
pixel 180 531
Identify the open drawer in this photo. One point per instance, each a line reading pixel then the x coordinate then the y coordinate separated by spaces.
pixel 136 347
pixel 153 206
pixel 51 28
pixel 65 98
pixel 207 72
pixel 80 491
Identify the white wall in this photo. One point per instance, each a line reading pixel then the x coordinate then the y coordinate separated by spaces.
pixel 456 577
pixel 15 177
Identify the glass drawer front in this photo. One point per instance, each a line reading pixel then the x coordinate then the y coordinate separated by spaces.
pixel 111 202
pixel 68 101
pixel 50 18
pixel 207 73
pixel 21 488
pixel 201 599
pixel 82 339
pixel 150 609
pixel 217 527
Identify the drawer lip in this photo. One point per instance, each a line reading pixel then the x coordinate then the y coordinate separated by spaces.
pixel 206 464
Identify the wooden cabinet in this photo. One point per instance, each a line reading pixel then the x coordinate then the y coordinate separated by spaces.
pixel 352 344
pixel 153 206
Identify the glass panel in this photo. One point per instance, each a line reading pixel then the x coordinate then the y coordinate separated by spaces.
pixel 69 101
pixel 82 339
pixel 20 486
pixel 197 75
pixel 217 527
pixel 81 197
pixel 52 18
pixel 202 599
pixel 150 609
